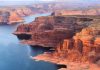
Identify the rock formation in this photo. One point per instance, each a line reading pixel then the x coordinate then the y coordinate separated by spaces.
pixel 84 46
pixel 50 30
pixel 9 18
pixel 14 18
pixel 73 38
pixel 78 12
pixel 4 17
pixel 23 11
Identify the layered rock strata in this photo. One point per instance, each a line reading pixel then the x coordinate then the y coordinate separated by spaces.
pixel 82 51
pixel 78 12
pixel 73 38
pixel 49 31
pixel 9 18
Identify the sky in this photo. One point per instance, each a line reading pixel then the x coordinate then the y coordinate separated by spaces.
pixel 28 0
pixel 57 0
pixel 11 2
pixel 49 0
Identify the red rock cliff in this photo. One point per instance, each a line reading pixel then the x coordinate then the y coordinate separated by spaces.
pixel 78 12
pixel 9 17
pixel 84 46
pixel 50 30
pixel 76 38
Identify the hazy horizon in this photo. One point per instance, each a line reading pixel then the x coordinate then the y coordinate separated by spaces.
pixel 23 2
pixel 70 2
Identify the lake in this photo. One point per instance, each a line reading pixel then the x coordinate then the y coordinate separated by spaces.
pixel 17 56
pixel 32 18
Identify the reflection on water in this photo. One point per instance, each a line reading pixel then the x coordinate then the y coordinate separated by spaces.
pixel 16 56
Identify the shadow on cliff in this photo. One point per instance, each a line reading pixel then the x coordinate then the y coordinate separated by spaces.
pixel 35 50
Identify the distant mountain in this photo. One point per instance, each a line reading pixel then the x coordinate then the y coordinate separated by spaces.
pixel 73 4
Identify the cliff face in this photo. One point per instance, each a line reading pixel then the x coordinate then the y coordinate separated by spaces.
pixel 4 17
pixel 84 46
pixel 14 18
pixel 9 17
pixel 23 11
pixel 79 12
pixel 51 30
pixel 76 38
pixel 82 51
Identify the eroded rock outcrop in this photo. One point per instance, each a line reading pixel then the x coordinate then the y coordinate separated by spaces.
pixel 78 12
pixel 50 30
pixel 9 18
pixel 84 46
pixel 73 38
pixel 4 17
pixel 78 52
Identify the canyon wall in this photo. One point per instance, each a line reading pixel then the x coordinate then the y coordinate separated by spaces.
pixel 50 30
pixel 16 13
pixel 9 18
pixel 84 46
pixel 76 38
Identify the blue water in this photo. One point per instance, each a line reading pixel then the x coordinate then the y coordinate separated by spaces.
pixel 17 56
pixel 32 18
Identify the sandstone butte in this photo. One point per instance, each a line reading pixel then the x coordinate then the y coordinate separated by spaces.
pixel 9 18
pixel 75 39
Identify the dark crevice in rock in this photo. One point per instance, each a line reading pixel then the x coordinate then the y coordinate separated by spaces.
pixel 24 36
pixel 59 66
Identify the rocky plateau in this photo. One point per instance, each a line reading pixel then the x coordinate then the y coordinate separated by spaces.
pixel 74 39
pixel 15 14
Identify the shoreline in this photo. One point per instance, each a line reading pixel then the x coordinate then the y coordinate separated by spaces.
pixel 70 65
